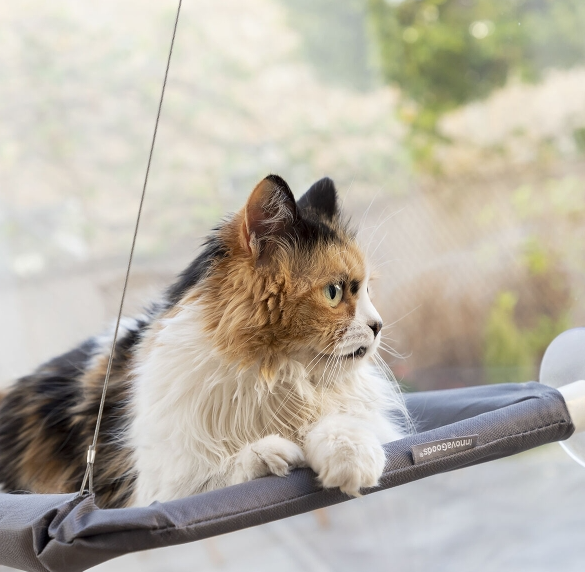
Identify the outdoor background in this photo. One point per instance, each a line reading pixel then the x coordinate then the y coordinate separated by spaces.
pixel 455 132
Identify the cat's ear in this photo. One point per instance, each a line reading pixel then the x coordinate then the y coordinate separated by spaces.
pixel 321 198
pixel 269 216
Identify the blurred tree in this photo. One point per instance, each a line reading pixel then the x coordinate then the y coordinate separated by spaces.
pixel 506 348
pixel 511 352
pixel 444 53
pixel 334 40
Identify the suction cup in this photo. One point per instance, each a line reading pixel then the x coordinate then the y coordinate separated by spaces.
pixel 563 367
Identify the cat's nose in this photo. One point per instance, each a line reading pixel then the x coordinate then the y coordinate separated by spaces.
pixel 376 327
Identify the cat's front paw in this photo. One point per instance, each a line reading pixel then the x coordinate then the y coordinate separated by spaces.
pixel 271 455
pixel 350 458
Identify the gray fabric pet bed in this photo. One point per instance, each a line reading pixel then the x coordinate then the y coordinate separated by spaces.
pixel 68 533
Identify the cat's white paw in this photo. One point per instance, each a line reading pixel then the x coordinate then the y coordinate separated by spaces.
pixel 271 455
pixel 345 455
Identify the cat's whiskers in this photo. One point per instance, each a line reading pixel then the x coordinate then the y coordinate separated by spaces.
pixel 376 266
pixel 318 357
pixel 376 227
pixel 390 349
pixel 333 371
pixel 367 211
pixel 401 318
pixel 372 229
pixel 336 371
pixel 385 338
pixel 293 387
pixel 346 194
pixel 385 335
pixel 384 367
pixel 380 242
pixel 332 376
pixel 331 358
pixel 392 352
pixel 398 401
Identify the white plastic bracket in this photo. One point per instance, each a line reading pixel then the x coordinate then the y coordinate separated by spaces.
pixel 574 395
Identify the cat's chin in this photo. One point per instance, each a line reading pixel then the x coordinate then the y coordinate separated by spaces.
pixel 358 354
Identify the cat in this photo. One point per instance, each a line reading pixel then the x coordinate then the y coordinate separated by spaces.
pixel 256 361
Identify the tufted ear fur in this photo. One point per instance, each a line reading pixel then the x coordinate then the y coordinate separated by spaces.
pixel 269 216
pixel 321 198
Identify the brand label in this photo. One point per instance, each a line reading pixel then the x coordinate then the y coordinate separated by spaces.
pixel 442 448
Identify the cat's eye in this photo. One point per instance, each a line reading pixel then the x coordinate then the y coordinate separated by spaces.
pixel 333 293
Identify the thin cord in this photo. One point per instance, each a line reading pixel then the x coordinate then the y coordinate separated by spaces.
pixel 91 453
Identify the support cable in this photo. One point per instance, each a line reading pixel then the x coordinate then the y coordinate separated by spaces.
pixel 92 450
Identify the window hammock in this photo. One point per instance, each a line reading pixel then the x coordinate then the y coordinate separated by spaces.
pixel 68 532
pixel 455 429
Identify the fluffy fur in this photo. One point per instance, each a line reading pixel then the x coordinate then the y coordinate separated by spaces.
pixel 256 361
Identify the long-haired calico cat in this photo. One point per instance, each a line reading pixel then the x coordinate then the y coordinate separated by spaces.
pixel 256 361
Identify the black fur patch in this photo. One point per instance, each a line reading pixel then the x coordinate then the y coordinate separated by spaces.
pixel 309 232
pixel 317 210
pixel 74 362
pixel 47 419
pixel 321 198
pixel 42 404
pixel 197 270
pixel 125 343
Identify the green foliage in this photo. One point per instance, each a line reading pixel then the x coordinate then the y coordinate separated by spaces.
pixel 536 258
pixel 334 39
pixel 507 347
pixel 534 307
pixel 579 137
pixel 445 53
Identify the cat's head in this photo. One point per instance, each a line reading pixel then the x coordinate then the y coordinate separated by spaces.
pixel 284 280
